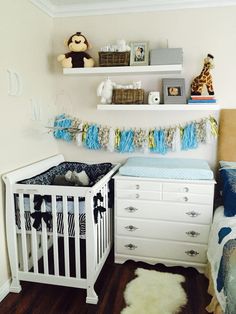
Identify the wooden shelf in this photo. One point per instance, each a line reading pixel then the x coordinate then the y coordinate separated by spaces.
pixel 177 107
pixel 159 69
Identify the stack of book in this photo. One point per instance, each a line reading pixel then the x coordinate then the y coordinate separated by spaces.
pixel 202 99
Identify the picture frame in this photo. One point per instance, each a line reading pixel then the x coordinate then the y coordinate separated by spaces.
pixel 174 90
pixel 139 53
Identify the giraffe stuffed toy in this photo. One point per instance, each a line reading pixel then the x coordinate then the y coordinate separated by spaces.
pixel 204 78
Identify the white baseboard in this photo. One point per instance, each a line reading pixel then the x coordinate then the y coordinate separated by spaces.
pixel 4 290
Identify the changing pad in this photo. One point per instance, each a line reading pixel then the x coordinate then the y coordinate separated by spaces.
pixel 167 168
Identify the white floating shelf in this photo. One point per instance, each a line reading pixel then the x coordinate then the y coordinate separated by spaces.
pixel 160 69
pixel 177 107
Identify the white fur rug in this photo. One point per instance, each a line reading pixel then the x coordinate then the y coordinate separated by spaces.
pixel 153 292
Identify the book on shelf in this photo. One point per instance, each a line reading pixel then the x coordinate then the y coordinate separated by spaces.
pixel 202 97
pixel 201 101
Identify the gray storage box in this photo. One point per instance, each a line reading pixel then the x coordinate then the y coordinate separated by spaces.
pixel 162 56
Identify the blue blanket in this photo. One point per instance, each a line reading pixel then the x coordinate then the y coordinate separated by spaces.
pixel 222 258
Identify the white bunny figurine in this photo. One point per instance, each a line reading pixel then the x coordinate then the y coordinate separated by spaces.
pixel 137 85
pixel 122 46
pixel 104 90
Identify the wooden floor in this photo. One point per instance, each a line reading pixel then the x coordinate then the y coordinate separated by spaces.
pixel 48 299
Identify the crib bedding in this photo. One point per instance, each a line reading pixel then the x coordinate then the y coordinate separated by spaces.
pixel 94 171
pixel 59 210
pixel 59 204
pixel 174 168
pixel 60 223
pixel 222 258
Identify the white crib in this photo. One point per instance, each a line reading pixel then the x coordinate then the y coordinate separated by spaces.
pixel 27 247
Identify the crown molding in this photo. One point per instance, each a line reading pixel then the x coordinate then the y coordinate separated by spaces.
pixel 45 6
pixel 130 6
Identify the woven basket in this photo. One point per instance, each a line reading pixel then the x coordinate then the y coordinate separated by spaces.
pixel 128 96
pixel 113 59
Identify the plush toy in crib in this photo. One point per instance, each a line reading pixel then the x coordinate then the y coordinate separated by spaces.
pixel 104 90
pixel 77 57
pixel 79 179
pixel 72 178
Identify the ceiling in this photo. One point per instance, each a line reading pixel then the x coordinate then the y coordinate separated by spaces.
pixel 62 8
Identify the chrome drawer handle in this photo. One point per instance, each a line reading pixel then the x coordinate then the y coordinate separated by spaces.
pixel 186 189
pixel 192 253
pixel 185 198
pixel 193 214
pixel 137 186
pixel 137 195
pixel 192 234
pixel 131 228
pixel 131 209
pixel 131 246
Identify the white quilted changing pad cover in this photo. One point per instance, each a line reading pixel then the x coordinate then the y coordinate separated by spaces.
pixel 167 168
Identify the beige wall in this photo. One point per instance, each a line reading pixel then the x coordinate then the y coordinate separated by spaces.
pixel 197 31
pixel 27 48
pixel 26 35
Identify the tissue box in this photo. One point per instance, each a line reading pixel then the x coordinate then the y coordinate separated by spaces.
pixel 162 56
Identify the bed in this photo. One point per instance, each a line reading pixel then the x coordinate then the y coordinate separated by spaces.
pixel 222 241
pixel 69 227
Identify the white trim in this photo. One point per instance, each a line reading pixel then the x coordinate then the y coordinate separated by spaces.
pixel 145 107
pixel 45 6
pixel 150 69
pixel 130 6
pixel 4 290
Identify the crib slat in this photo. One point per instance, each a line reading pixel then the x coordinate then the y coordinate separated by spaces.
pixel 100 235
pixel 34 242
pixel 23 233
pixel 98 240
pixel 102 226
pixel 55 238
pixel 66 238
pixel 109 226
pixel 103 223
pixel 44 241
pixel 106 215
pixel 77 237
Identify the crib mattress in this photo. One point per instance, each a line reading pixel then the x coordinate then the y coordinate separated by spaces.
pixel 167 168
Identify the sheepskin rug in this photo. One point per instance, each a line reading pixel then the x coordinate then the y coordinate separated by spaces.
pixel 153 292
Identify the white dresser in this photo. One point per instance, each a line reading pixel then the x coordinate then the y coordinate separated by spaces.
pixel 162 220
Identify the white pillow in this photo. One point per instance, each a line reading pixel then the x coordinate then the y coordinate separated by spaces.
pixel 227 164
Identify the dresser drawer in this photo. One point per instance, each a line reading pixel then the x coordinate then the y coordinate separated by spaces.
pixel 188 188
pixel 138 185
pixel 139 195
pixel 194 233
pixel 195 253
pixel 187 198
pixel 192 213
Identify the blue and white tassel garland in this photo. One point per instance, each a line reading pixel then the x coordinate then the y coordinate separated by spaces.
pixel 157 140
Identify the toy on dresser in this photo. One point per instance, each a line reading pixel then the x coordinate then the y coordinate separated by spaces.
pixel 77 57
